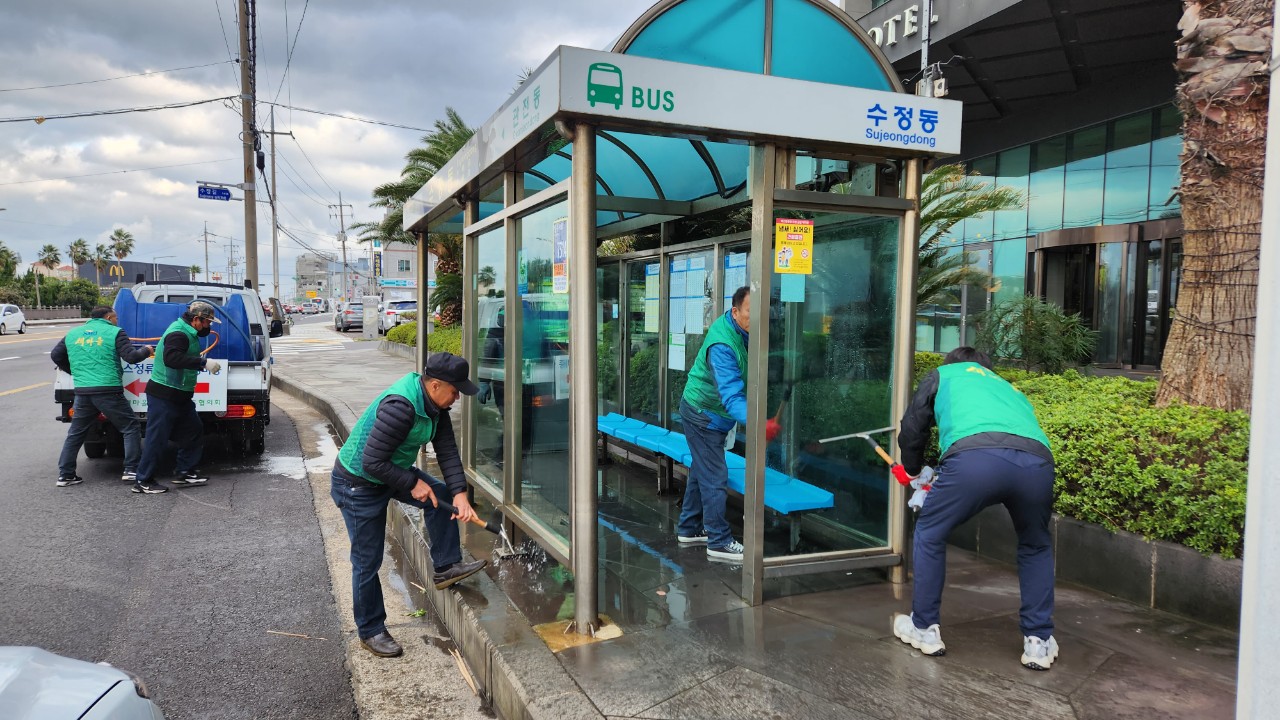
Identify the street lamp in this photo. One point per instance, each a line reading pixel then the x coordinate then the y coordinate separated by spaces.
pixel 155 267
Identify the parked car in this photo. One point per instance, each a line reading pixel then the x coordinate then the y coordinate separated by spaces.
pixel 36 684
pixel 350 316
pixel 389 314
pixel 310 309
pixel 12 319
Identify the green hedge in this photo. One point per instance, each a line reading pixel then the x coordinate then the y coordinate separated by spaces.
pixel 442 339
pixel 1177 473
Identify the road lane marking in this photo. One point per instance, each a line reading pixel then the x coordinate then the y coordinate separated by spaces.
pixel 14 357
pixel 23 389
pixel 34 339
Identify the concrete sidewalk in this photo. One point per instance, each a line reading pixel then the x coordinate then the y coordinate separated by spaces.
pixel 821 647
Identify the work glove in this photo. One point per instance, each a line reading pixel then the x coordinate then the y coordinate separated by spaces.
pixel 771 430
pixel 213 366
pixel 486 391
pixel 921 483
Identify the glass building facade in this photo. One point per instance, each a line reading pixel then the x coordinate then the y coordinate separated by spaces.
pixel 1118 173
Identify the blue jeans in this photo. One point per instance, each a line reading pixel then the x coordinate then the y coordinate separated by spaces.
pixel 176 420
pixel 364 510
pixel 705 492
pixel 85 414
pixel 967 482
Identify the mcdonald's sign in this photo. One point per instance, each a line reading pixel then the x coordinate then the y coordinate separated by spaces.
pixel 115 270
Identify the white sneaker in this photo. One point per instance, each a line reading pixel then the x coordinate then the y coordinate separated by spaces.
pixel 732 551
pixel 691 539
pixel 1039 654
pixel 928 641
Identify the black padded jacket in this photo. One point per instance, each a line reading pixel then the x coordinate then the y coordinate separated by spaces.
pixel 391 426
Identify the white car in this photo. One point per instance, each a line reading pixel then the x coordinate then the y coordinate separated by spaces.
pixel 12 320
pixel 37 684
pixel 389 313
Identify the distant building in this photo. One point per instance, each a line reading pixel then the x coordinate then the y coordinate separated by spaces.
pixel 126 273
pixel 65 272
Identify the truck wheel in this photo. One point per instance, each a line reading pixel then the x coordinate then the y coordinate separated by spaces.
pixel 95 449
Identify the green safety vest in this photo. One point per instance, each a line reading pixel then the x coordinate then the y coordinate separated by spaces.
pixel 701 391
pixel 408 387
pixel 91 350
pixel 972 399
pixel 177 378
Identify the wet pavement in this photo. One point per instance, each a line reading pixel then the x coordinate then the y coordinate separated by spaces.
pixel 821 645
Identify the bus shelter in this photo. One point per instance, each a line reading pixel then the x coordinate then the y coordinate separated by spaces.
pixel 608 212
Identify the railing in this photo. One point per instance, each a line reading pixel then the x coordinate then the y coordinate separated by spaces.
pixel 54 312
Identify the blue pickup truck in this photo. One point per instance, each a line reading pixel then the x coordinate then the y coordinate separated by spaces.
pixel 236 405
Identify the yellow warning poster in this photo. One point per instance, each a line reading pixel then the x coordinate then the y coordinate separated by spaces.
pixel 793 246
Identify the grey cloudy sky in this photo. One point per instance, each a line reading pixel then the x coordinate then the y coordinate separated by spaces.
pixel 397 61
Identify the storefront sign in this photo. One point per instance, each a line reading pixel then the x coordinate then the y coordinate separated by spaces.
pixel 901 26
pixel 793 246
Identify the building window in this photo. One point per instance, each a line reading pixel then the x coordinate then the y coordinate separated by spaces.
pixel 402 265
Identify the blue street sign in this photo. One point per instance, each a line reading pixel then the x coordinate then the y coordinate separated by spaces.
pixel 214 193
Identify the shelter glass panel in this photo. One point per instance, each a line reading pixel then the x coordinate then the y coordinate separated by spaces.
pixel 544 333
pixel 726 34
pixel 690 311
pixel 841 177
pixel 1082 193
pixel 489 347
pixel 831 339
pixel 1128 170
pixel 641 340
pixel 806 38
pixel 608 338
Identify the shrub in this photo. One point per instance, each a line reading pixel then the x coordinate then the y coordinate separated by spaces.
pixel 444 339
pixel 1035 333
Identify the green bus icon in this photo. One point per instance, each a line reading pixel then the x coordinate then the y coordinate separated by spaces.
pixel 604 85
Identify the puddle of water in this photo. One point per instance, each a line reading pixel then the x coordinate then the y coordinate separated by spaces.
pixel 290 466
pixel 326 450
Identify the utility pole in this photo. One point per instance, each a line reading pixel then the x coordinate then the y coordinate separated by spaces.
pixel 342 238
pixel 206 250
pixel 926 75
pixel 275 225
pixel 250 141
pixel 233 262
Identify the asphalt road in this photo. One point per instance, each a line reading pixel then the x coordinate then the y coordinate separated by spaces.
pixel 180 588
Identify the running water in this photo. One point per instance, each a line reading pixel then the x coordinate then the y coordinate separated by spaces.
pixel 506 541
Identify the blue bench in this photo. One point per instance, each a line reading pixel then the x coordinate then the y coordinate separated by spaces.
pixel 783 494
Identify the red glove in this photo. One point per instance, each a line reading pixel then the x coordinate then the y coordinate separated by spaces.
pixel 900 473
pixel 771 430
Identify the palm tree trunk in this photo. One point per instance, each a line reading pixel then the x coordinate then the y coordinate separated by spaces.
pixel 450 314
pixel 1223 56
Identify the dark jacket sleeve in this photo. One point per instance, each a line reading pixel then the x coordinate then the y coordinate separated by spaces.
pixel 391 426
pixel 176 345
pixel 913 433
pixel 126 350
pixel 59 356
pixel 445 444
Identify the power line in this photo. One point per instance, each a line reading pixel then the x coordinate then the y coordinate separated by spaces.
pixel 289 59
pixel 304 181
pixel 115 172
pixel 346 117
pixel 119 111
pixel 313 166
pixel 302 192
pixel 118 77
pixel 218 5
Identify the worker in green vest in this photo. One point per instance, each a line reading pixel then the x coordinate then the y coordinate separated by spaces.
pixel 171 413
pixel 92 354
pixel 993 451
pixel 376 466
pixel 713 403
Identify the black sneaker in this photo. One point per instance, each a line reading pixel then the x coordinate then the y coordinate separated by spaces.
pixel 67 480
pixel 457 572
pixel 189 478
pixel 129 476
pixel 150 488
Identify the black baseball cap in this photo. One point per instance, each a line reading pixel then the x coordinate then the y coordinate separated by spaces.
pixel 451 369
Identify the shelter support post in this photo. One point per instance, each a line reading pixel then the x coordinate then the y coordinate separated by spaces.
pixel 582 368
pixel 762 177
pixel 424 316
pixel 512 356
pixel 904 356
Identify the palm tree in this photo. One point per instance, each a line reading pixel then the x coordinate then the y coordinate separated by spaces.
pixel 78 253
pixel 422 163
pixel 49 258
pixel 101 259
pixel 194 270
pixel 1223 58
pixel 121 246
pixel 9 261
